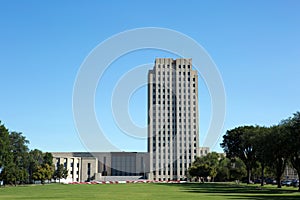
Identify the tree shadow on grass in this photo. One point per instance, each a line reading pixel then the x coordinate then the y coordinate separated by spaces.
pixel 234 191
pixel 262 197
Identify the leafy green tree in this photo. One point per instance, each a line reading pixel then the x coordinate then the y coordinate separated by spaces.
pixel 200 171
pixel 293 126
pixel 9 173
pixel 14 175
pixel 60 172
pixel 240 143
pixel 41 165
pixel 278 152
pixel 4 150
pixel 223 169
pixel 48 158
pixel 44 172
pixel 212 160
pixel 13 157
pixel 19 150
pixel 49 171
pixel 193 171
pixel 35 160
pixel 39 174
pixel 237 170
pixel 17 164
pixel 4 146
pixel 205 166
pixel 262 150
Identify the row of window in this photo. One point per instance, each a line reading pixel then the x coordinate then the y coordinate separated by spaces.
pixel 160 116
pixel 185 80
pixel 174 152
pixel 168 102
pixel 164 84
pixel 161 119
pixel 165 133
pixel 162 91
pixel 168 66
pixel 164 110
pixel 168 138
pixel 179 143
pixel 178 126
pixel 173 99
pixel 163 144
pixel 162 125
pixel 162 158
pixel 174 72
pixel 65 164
pixel 184 121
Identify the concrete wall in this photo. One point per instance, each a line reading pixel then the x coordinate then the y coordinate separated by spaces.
pixel 71 163
pixel 84 166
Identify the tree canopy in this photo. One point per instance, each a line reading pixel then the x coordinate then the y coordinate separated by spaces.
pixel 272 147
pixel 18 165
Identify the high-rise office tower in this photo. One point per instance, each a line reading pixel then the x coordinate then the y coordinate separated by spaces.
pixel 173 122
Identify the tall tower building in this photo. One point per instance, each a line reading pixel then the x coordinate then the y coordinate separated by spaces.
pixel 173 123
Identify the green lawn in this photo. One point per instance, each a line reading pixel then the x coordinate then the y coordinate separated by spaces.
pixel 148 191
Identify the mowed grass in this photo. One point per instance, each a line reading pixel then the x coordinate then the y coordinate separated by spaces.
pixel 148 191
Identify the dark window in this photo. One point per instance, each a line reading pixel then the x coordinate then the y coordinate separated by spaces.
pixel 89 168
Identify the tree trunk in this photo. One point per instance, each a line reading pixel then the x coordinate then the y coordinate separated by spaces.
pixel 248 175
pixel 298 172
pixel 262 175
pixel 278 181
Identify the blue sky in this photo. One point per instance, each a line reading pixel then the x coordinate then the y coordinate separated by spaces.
pixel 255 45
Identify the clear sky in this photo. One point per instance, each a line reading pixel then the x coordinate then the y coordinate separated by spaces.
pixel 255 45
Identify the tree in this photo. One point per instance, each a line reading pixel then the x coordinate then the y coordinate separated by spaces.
pixel 44 172
pixel 4 146
pixel 17 164
pixel 212 160
pixel 277 154
pixel 223 169
pixel 237 170
pixel 40 165
pixel 240 143
pixel 13 156
pixel 200 171
pixel 19 150
pixel 12 174
pixel 35 160
pixel 262 149
pixel 39 174
pixel 60 172
pixel 49 171
pixel 48 158
pixel 205 166
pixel 293 126
pixel 193 171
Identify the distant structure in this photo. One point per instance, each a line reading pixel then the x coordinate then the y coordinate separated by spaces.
pixel 173 123
pixel 103 166
pixel 203 151
pixel 290 173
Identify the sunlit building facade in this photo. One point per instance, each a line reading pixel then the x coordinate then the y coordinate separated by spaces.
pixel 173 132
